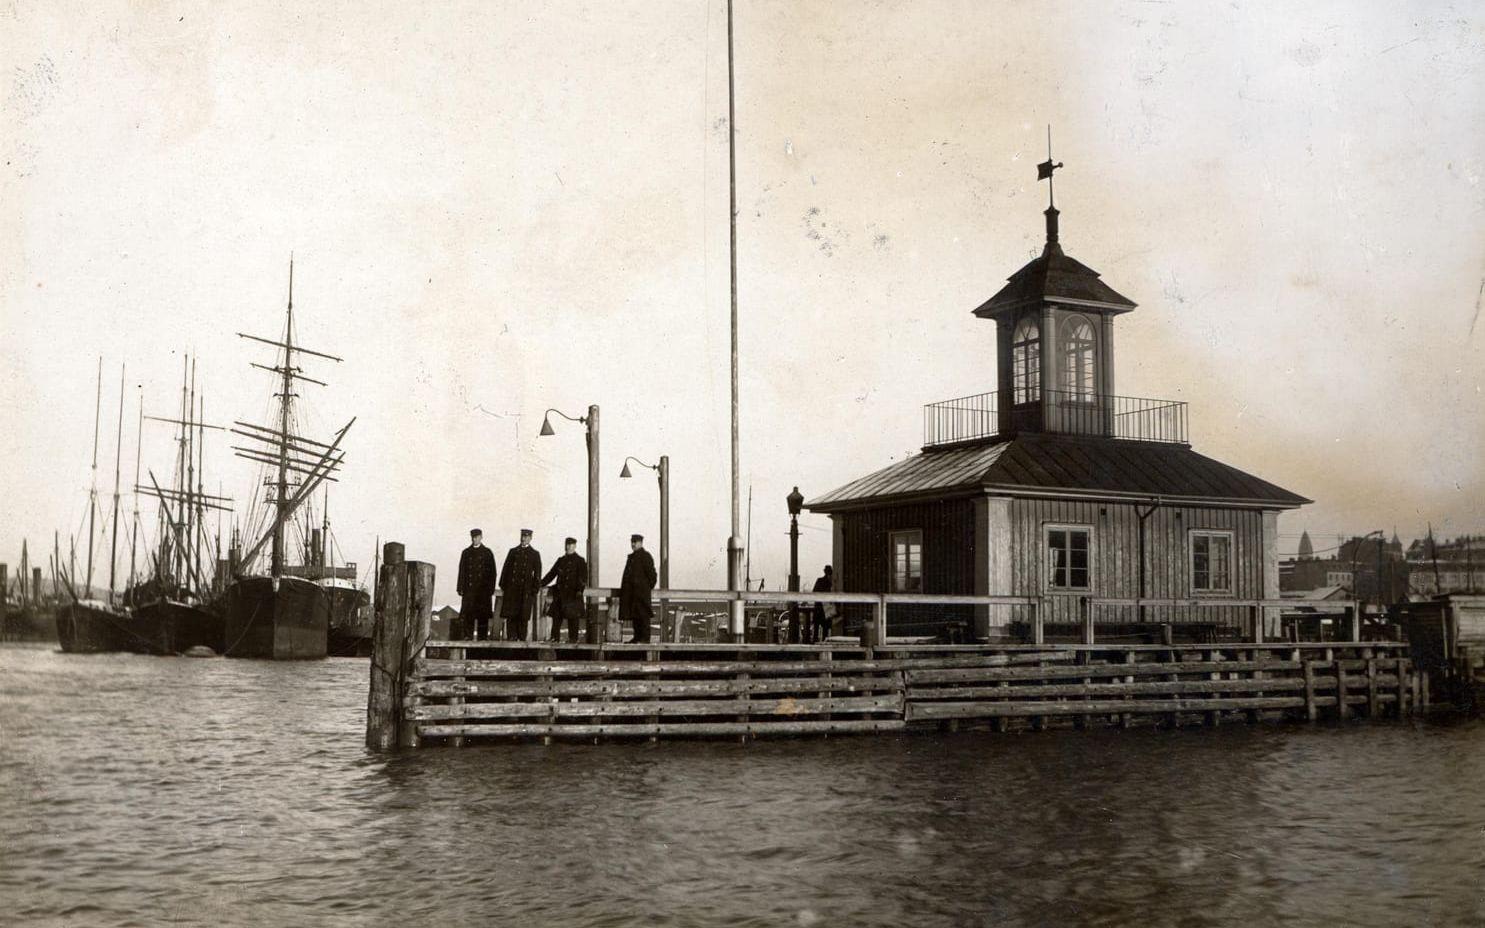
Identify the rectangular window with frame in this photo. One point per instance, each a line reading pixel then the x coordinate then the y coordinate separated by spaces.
pixel 1211 562
pixel 907 562
pixel 1069 556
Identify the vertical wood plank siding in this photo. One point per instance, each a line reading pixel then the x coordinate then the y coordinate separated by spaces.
pixel 949 559
pixel 948 528
pixel 1115 557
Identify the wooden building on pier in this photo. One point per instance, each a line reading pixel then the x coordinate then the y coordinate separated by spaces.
pixel 1055 487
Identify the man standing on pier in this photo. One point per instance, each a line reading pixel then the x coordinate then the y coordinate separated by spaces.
pixel 635 589
pixel 824 612
pixel 520 578
pixel 571 571
pixel 475 587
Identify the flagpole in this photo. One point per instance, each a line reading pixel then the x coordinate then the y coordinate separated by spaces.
pixel 734 546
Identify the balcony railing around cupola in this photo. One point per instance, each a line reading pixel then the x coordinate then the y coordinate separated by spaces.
pixel 986 415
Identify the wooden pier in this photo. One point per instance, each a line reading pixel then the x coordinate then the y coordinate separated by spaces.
pixel 427 692
pixel 516 690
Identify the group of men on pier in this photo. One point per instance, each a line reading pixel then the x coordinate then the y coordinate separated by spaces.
pixel 520 578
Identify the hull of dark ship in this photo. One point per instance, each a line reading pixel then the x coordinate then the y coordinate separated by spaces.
pixel 90 627
pixel 350 622
pixel 283 619
pixel 169 626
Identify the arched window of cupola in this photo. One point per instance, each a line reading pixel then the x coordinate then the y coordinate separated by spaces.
pixel 1026 360
pixel 1078 346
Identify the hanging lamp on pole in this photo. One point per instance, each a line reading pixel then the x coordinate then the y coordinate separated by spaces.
pixel 591 421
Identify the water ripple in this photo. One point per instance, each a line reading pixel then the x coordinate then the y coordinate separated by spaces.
pixel 148 791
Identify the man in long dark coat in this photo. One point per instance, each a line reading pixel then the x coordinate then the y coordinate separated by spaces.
pixel 520 578
pixel 571 573
pixel 822 621
pixel 635 588
pixel 475 587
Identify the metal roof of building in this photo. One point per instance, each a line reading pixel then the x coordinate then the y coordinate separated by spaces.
pixel 1038 463
pixel 1054 277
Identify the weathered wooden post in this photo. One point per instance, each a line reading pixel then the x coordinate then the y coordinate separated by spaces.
pixel 875 634
pixel 1085 613
pixel 1038 622
pixel 383 709
pixel 403 624
pixel 419 587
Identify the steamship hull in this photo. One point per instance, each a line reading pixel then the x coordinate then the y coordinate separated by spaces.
pixel 92 627
pixel 279 619
pixel 350 620
pixel 169 626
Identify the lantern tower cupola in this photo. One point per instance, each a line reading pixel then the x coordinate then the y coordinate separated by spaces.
pixel 1055 339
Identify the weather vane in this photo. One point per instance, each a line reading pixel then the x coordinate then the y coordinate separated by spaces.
pixel 1045 169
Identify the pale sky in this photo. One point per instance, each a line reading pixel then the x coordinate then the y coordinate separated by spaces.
pixel 499 207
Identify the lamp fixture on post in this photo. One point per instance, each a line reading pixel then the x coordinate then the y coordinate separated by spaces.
pixel 591 421
pixel 795 501
pixel 662 470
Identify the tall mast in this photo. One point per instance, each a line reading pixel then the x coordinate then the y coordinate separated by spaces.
pixel 118 456
pixel 187 504
pixel 177 566
pixel 316 461
pixel 325 560
pixel 93 493
pixel 200 533
pixel 281 500
pixel 138 448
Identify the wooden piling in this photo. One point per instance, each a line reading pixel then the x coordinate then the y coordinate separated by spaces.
pixel 1126 719
pixel 1342 706
pixel 420 576
pixel 1311 711
pixel 1402 686
pixel 383 701
pixel 1372 706
pixel 403 625
pixel 1214 716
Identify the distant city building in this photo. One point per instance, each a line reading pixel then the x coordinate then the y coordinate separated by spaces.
pixel 1456 566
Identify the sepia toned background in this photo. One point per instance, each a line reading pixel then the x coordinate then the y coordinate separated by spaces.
pixel 496 208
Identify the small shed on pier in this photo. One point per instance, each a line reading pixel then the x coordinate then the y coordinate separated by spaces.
pixel 1055 487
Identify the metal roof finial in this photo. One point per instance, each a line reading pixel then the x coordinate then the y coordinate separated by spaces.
pixel 1044 172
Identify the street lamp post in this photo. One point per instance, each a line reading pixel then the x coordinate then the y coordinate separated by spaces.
pixel 662 470
pixel 595 631
pixel 795 501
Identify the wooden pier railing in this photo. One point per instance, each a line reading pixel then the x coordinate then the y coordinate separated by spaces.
pixel 446 692
pixel 458 690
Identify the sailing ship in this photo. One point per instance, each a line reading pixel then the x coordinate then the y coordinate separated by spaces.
pixel 176 609
pixel 279 616
pixel 85 624
pixel 350 604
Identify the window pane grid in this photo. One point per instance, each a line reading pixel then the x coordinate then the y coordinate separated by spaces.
pixel 1211 562
pixel 1068 558
pixel 907 562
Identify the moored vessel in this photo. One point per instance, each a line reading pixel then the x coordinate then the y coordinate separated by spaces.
pixel 280 616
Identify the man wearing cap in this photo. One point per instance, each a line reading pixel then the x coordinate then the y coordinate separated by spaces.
pixel 520 578
pixel 571 572
pixel 475 587
pixel 635 589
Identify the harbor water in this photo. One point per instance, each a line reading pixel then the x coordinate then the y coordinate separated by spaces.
pixel 171 791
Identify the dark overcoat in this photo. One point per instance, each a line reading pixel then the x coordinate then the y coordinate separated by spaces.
pixel 476 582
pixel 571 573
pixel 635 588
pixel 520 578
pixel 823 585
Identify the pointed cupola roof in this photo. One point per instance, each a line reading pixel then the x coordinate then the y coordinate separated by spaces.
pixel 1053 277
